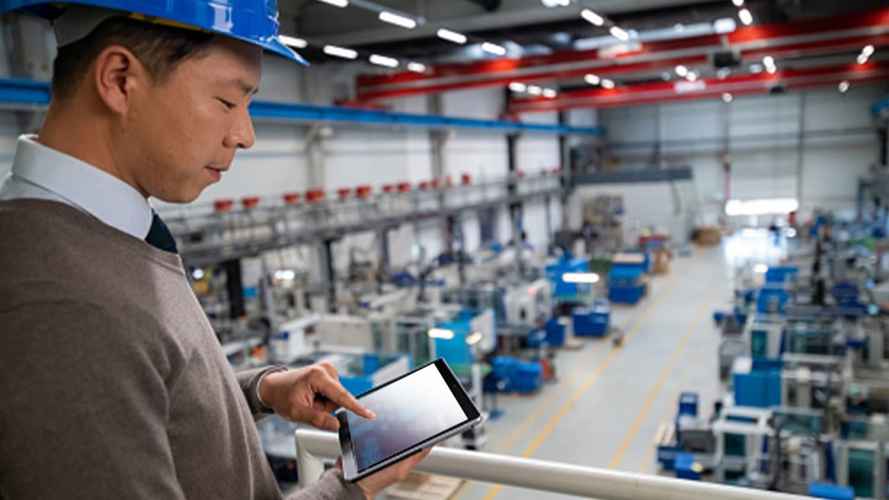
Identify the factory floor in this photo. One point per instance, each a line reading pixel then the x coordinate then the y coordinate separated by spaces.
pixel 607 405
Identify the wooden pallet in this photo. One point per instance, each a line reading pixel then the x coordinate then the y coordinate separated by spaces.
pixel 419 486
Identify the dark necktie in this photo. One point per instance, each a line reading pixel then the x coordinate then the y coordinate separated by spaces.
pixel 159 236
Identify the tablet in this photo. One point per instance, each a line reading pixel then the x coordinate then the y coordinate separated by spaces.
pixel 415 411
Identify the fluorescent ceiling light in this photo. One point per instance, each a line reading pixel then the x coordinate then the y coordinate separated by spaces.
pixel 397 20
pixel 738 3
pixel 682 71
pixel 416 67
pixel 518 87
pixel 336 3
pixel 534 90
pixel 592 79
pixel 333 50
pixel 727 98
pixel 724 25
pixel 584 278
pixel 592 17
pixel 293 41
pixel 452 36
pixel 692 76
pixel 844 86
pixel 745 16
pixel 550 93
pixel 771 206
pixel 868 50
pixel 555 3
pixel 608 84
pixel 388 62
pixel 861 58
pixel 493 48
pixel 198 274
pixel 440 333
pixel 618 33
pixel 768 61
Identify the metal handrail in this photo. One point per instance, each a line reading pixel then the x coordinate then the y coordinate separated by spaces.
pixel 604 484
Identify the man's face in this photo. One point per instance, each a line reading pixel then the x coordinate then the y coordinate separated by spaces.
pixel 184 131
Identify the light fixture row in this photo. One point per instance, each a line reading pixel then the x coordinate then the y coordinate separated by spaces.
pixel 535 90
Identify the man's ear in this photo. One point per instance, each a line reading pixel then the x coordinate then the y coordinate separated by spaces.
pixel 117 74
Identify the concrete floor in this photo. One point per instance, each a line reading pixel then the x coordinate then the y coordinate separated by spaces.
pixel 609 401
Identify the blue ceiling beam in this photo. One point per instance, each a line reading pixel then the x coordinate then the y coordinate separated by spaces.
pixel 30 95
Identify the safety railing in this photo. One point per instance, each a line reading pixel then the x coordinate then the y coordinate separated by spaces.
pixel 208 236
pixel 314 446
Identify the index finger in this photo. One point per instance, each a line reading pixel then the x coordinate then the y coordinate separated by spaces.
pixel 334 391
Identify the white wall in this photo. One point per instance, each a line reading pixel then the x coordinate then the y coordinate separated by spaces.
pixel 762 137
pixel 279 161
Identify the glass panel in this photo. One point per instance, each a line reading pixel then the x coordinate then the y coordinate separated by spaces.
pixel 735 445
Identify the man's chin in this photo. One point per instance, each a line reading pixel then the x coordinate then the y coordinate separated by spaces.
pixel 180 198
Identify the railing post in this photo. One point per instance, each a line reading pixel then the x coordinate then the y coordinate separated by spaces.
pixel 309 467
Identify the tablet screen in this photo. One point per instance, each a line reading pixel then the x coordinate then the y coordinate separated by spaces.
pixel 409 411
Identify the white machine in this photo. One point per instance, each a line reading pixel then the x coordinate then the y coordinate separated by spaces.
pixel 529 304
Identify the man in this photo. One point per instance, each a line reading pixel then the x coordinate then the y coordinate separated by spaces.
pixel 113 384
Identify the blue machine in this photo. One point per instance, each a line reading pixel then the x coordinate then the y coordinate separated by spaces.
pixel 567 264
pixel 757 383
pixel 361 379
pixel 510 374
pixel 625 285
pixel 781 274
pixel 686 467
pixel 831 491
pixel 592 321
pixel 555 333
pixel 772 299
pixel 454 349
pixel 688 404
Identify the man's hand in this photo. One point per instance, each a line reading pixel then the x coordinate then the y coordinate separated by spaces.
pixel 374 484
pixel 309 395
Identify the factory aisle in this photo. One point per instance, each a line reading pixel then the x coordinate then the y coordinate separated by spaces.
pixel 609 401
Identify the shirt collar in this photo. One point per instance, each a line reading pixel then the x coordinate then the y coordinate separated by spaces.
pixel 84 186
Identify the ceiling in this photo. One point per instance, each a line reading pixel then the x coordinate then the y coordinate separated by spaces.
pixel 543 43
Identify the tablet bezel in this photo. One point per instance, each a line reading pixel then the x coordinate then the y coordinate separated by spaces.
pixel 473 417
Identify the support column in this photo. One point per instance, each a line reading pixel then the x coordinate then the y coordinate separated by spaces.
pixel 801 149
pixel 438 140
pixel 234 287
pixel 566 167
pixel 315 157
pixel 385 259
pixel 329 272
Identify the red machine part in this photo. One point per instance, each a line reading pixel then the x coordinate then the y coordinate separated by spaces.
pixel 291 198
pixel 223 205
pixel 315 195
pixel 249 202
pixel 363 192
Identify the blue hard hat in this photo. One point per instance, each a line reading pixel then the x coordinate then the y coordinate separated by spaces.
pixel 251 21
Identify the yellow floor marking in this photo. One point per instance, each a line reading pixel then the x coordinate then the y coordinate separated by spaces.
pixel 653 393
pixel 551 424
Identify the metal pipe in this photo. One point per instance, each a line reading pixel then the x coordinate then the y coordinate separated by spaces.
pixel 542 475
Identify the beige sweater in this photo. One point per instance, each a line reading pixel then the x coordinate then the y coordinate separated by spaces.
pixel 113 384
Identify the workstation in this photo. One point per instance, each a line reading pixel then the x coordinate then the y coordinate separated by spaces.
pixel 647 237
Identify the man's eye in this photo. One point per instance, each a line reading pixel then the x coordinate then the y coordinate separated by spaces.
pixel 229 105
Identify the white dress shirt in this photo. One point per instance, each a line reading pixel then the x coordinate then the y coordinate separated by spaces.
pixel 43 173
